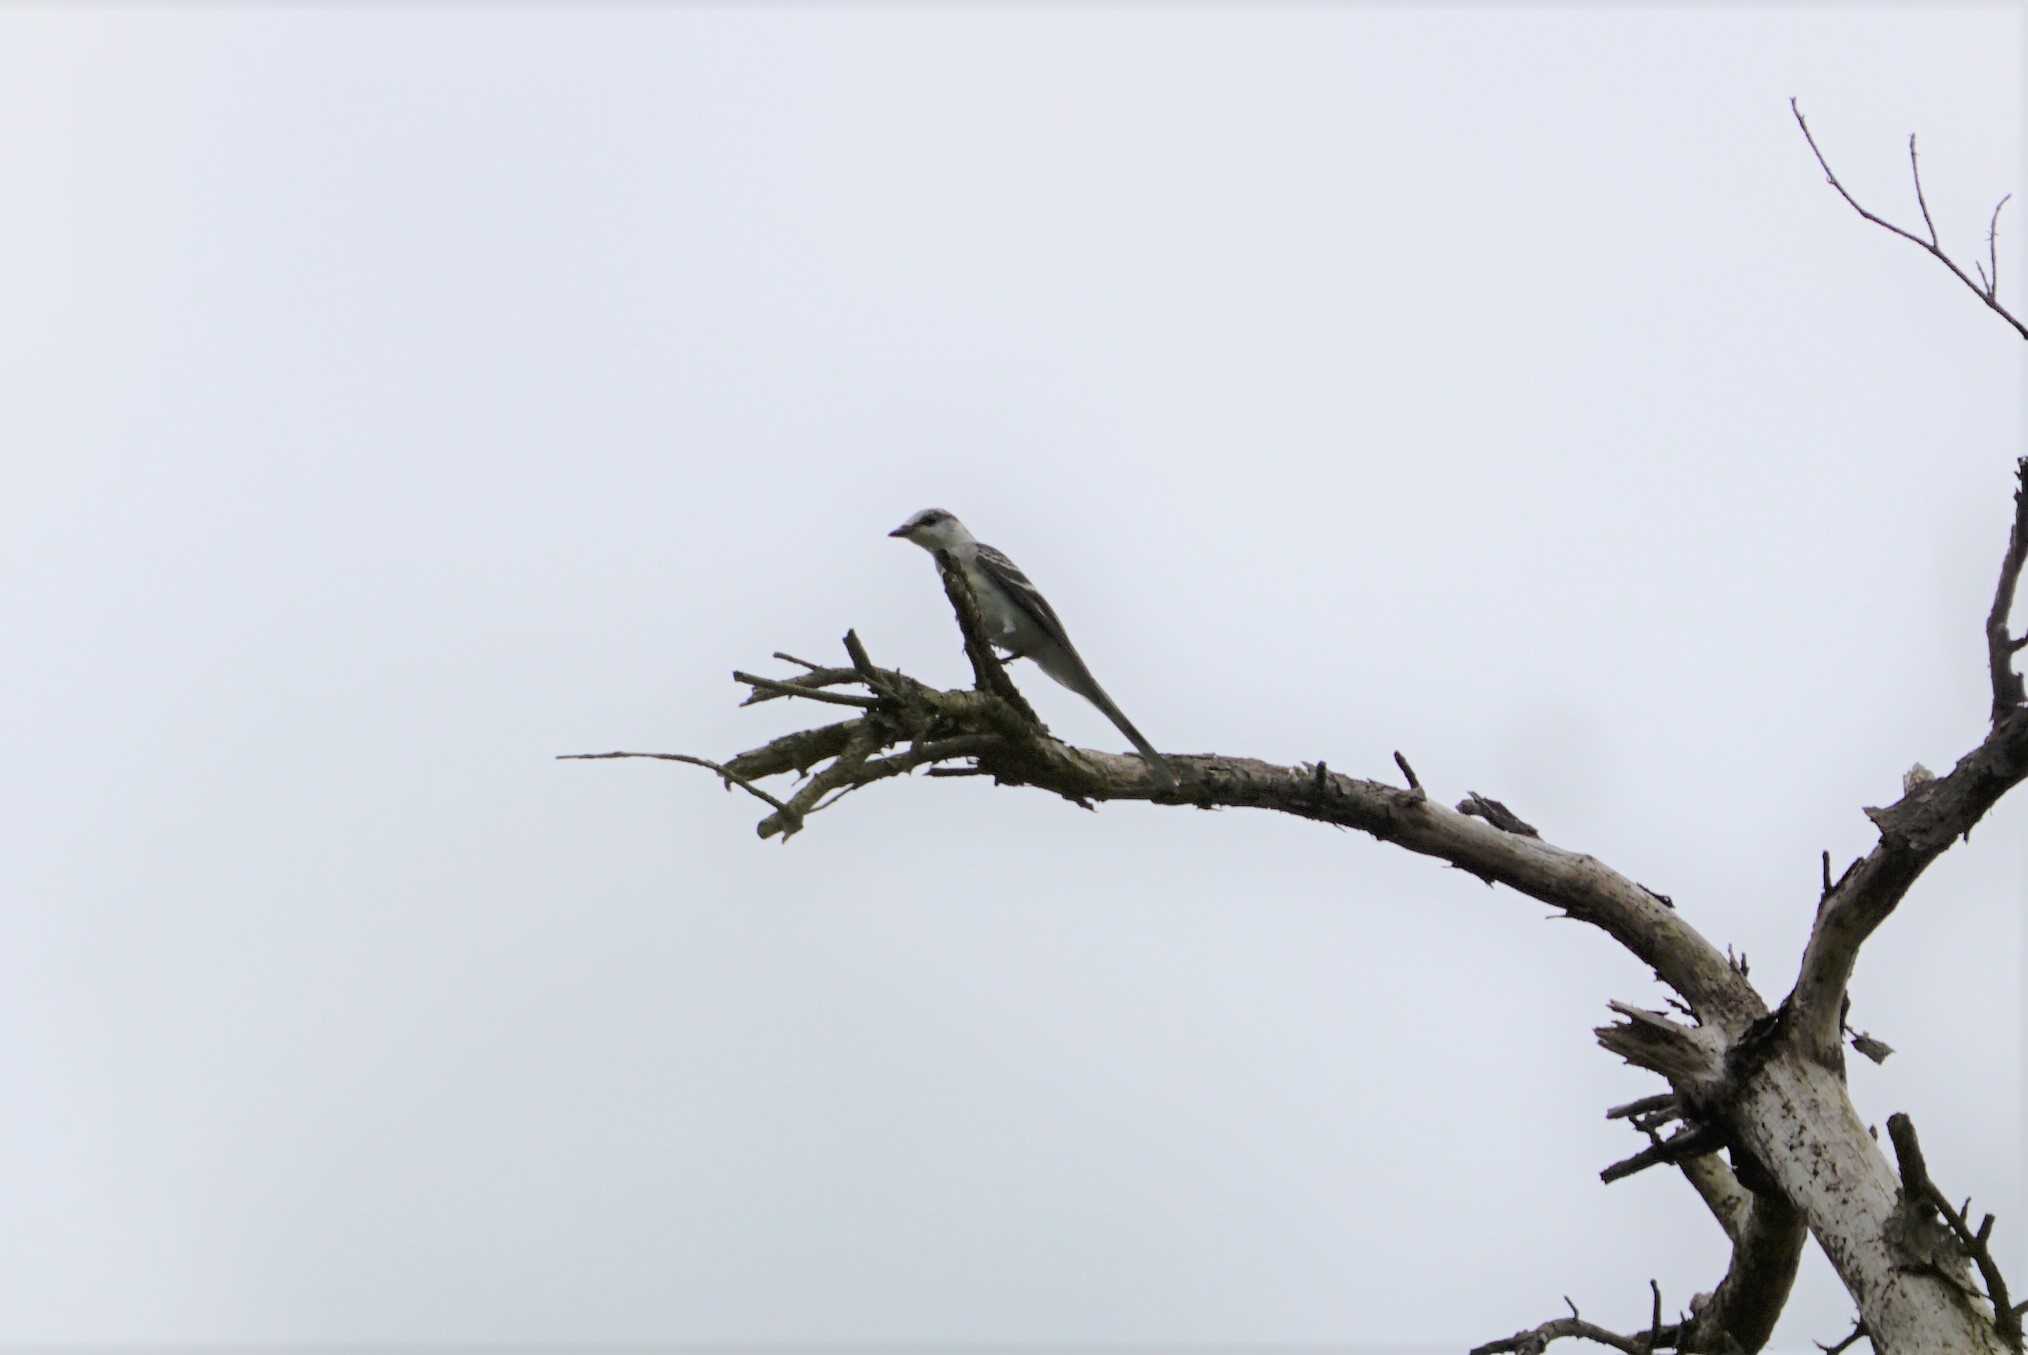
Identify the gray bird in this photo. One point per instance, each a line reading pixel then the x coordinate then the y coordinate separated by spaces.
pixel 1019 619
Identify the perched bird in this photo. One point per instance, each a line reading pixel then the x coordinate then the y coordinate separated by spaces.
pixel 1020 619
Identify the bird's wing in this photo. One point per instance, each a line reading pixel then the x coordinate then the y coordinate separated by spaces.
pixel 1022 593
pixel 1065 665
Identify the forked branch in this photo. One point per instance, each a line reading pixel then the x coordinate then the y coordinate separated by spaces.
pixel 1932 813
pixel 1766 1087
pixel 1987 288
pixel 1659 1335
pixel 1921 1195
pixel 902 724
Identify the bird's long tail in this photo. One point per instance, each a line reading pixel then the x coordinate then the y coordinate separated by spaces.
pixel 1074 675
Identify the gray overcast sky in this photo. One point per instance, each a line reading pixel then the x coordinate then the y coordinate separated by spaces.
pixel 397 398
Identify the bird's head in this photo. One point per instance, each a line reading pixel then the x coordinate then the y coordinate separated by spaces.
pixel 934 529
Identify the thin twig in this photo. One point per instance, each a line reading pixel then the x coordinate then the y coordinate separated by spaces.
pixel 1691 1141
pixel 732 778
pixel 1915 169
pixel 1659 1101
pixel 1535 1339
pixel 1927 246
pixel 1993 245
pixel 807 693
pixel 816 677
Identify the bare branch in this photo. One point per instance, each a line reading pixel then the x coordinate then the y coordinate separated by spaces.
pixel 796 752
pixel 2000 647
pixel 1918 1187
pixel 1857 1334
pixel 1406 770
pixel 1734 1081
pixel 1993 245
pixel 814 677
pixel 1016 751
pixel 1914 831
pixel 1928 246
pixel 1767 1233
pixel 1536 1339
pixel 842 773
pixel 1692 1057
pixel 1746 1104
pixel 1730 1203
pixel 1915 169
pixel 808 693
pixel 862 665
pixel 1932 813
pixel 730 777
pixel 1647 1105
pixel 1686 1143
pixel 1766 1254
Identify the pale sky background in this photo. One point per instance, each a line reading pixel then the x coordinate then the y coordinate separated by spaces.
pixel 395 399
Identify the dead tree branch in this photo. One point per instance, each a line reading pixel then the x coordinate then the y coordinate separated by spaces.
pixel 1535 1340
pixel 1986 289
pixel 1707 1069
pixel 1727 1082
pixel 1914 831
pixel 2000 646
pixel 1733 1080
pixel 1932 813
pixel 1868 1240
pixel 922 725
pixel 1921 1198
pixel 1697 1141
pixel 1766 1088
pixel 1767 1234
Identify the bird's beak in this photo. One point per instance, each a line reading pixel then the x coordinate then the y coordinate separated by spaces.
pixel 901 531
